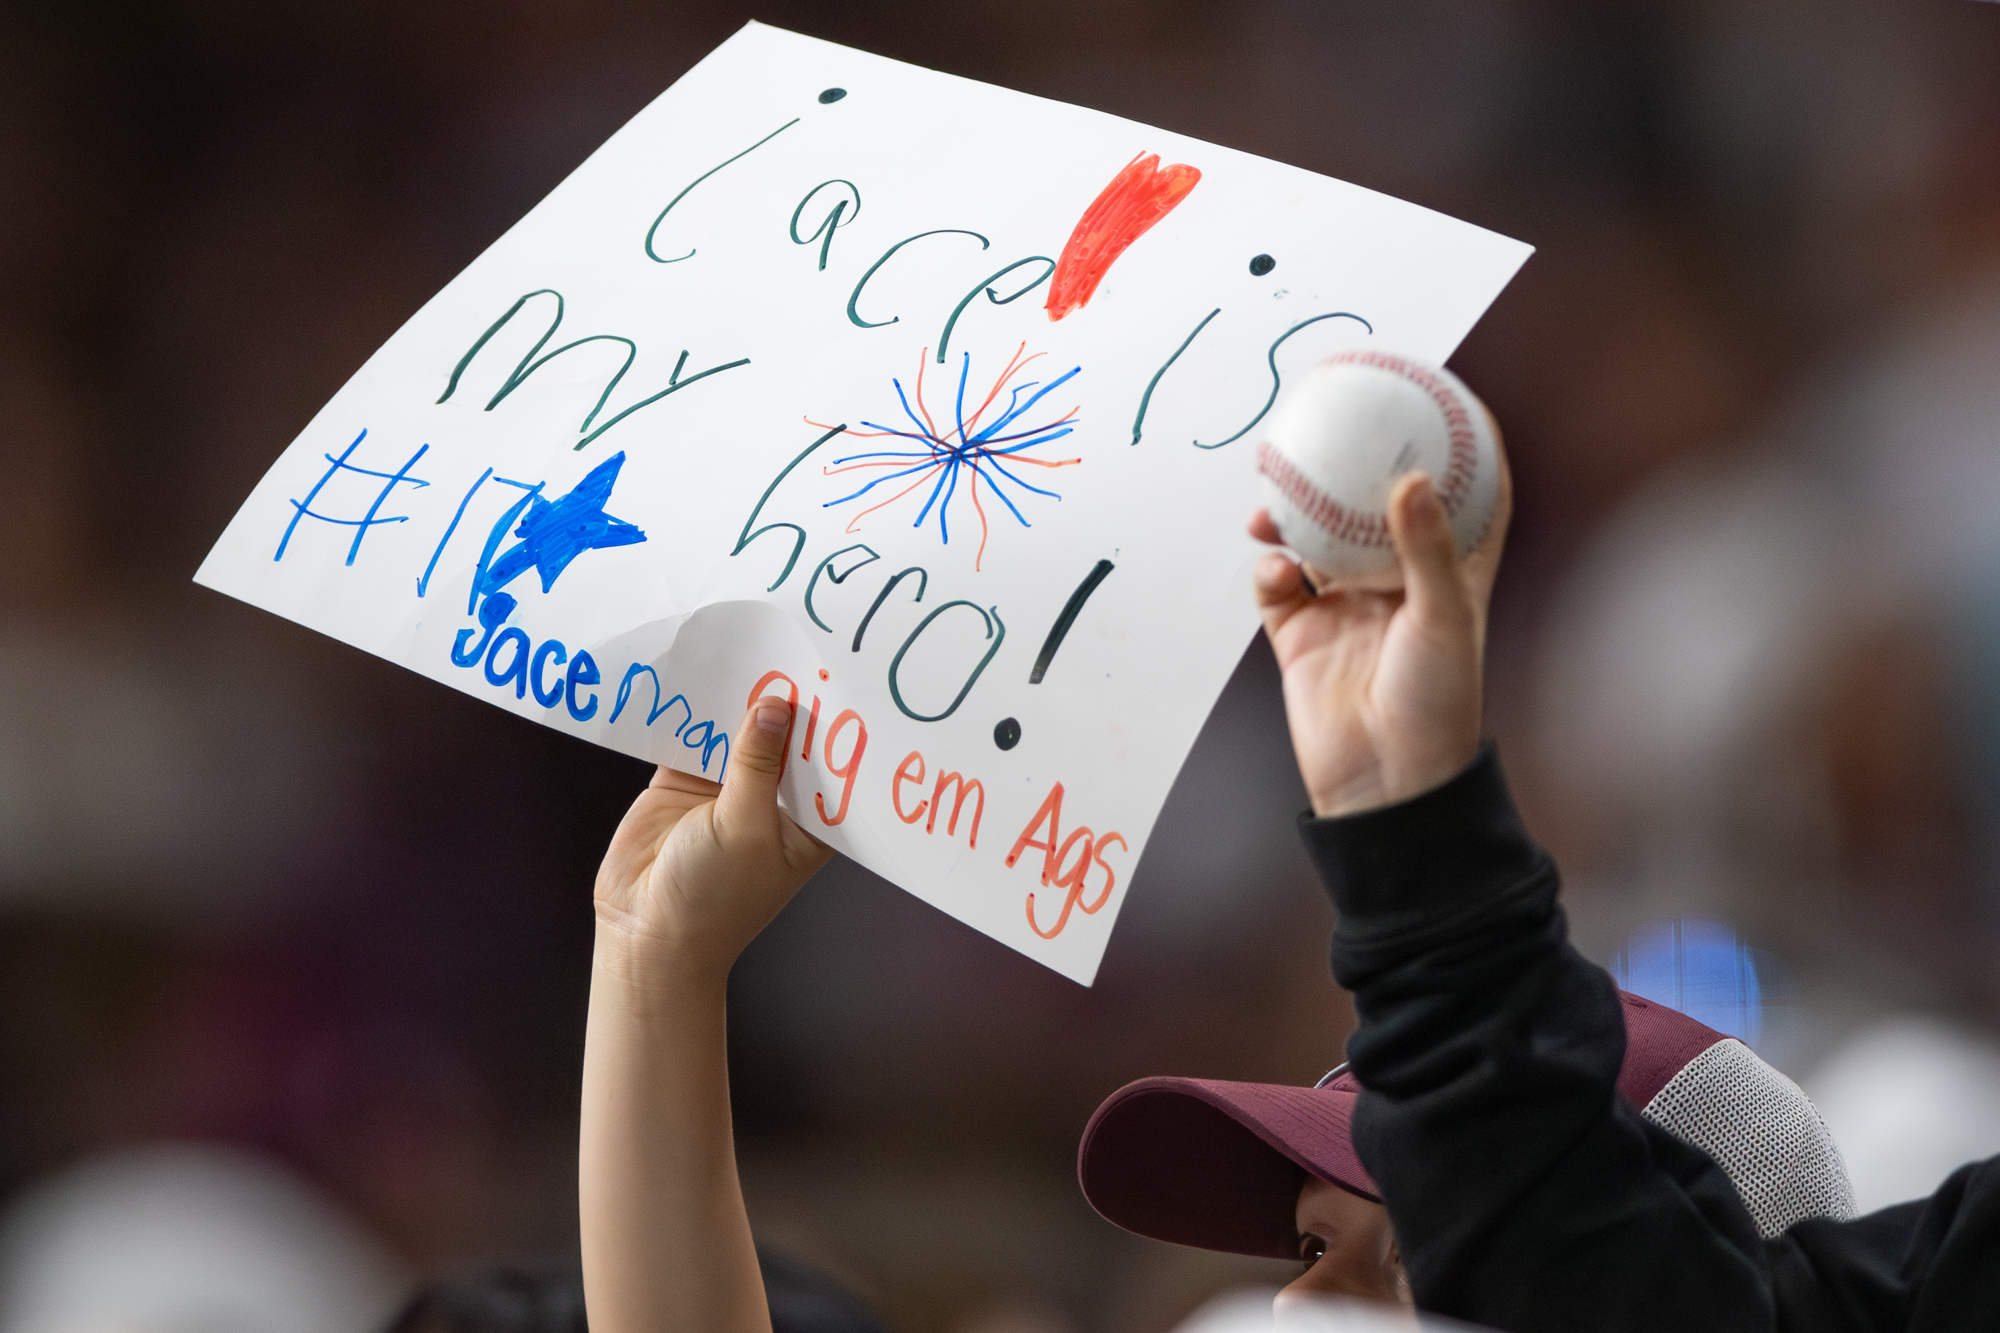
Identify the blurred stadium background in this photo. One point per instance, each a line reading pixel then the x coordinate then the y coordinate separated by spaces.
pixel 294 945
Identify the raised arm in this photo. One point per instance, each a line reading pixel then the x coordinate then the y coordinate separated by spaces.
pixel 1524 1193
pixel 1520 1195
pixel 694 872
pixel 1488 1049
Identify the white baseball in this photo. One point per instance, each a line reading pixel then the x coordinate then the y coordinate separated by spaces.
pixel 1343 434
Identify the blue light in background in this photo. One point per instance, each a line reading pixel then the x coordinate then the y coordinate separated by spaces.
pixel 1702 968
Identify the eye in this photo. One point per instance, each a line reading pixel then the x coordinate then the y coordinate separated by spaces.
pixel 1311 1249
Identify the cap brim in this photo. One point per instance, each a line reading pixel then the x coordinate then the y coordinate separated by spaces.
pixel 1215 1164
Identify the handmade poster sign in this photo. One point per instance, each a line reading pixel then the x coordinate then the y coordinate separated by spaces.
pixel 929 405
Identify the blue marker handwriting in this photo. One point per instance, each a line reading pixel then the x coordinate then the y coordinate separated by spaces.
pixel 508 657
pixel 400 477
pixel 704 735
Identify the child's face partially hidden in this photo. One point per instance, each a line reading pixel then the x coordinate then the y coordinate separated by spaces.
pixel 1347 1247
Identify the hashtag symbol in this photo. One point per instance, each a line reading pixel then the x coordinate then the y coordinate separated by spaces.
pixel 391 480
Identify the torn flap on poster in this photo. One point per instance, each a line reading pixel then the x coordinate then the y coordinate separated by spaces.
pixel 928 405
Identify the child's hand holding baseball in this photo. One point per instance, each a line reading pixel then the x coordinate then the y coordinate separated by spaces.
pixel 1382 689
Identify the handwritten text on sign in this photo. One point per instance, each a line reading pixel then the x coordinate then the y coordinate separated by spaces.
pixel 920 403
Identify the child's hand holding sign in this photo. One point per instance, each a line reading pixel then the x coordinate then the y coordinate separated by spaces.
pixel 697 868
pixel 694 872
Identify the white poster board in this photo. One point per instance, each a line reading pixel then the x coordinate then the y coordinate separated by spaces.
pixel 601 479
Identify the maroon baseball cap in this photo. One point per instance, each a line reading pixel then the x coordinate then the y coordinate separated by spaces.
pixel 1219 1165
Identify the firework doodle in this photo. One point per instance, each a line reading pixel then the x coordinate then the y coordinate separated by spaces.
pixel 968 452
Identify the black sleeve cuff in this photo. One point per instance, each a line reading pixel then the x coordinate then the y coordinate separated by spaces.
pixel 1427 854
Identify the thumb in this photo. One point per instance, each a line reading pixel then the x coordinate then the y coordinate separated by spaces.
pixel 756 762
pixel 1433 587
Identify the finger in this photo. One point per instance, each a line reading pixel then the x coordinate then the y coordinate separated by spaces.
pixel 1433 588
pixel 1482 566
pixel 1263 529
pixel 1281 589
pixel 756 761
pixel 749 797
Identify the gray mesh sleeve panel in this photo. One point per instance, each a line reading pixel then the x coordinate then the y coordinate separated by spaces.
pixel 1762 1131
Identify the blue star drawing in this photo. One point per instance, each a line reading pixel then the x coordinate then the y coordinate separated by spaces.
pixel 554 533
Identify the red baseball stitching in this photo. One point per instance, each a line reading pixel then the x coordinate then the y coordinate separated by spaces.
pixel 1359 529
pixel 1339 522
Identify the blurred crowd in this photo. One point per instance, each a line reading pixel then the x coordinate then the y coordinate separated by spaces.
pixel 294 945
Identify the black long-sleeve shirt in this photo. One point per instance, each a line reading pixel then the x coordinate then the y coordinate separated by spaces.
pixel 1525 1193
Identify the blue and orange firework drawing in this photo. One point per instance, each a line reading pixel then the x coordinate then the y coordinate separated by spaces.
pixel 968 452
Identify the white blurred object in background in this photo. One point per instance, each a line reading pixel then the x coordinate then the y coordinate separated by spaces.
pixel 1687 626
pixel 1239 1311
pixel 186 1238
pixel 1251 1310
pixel 1909 1101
